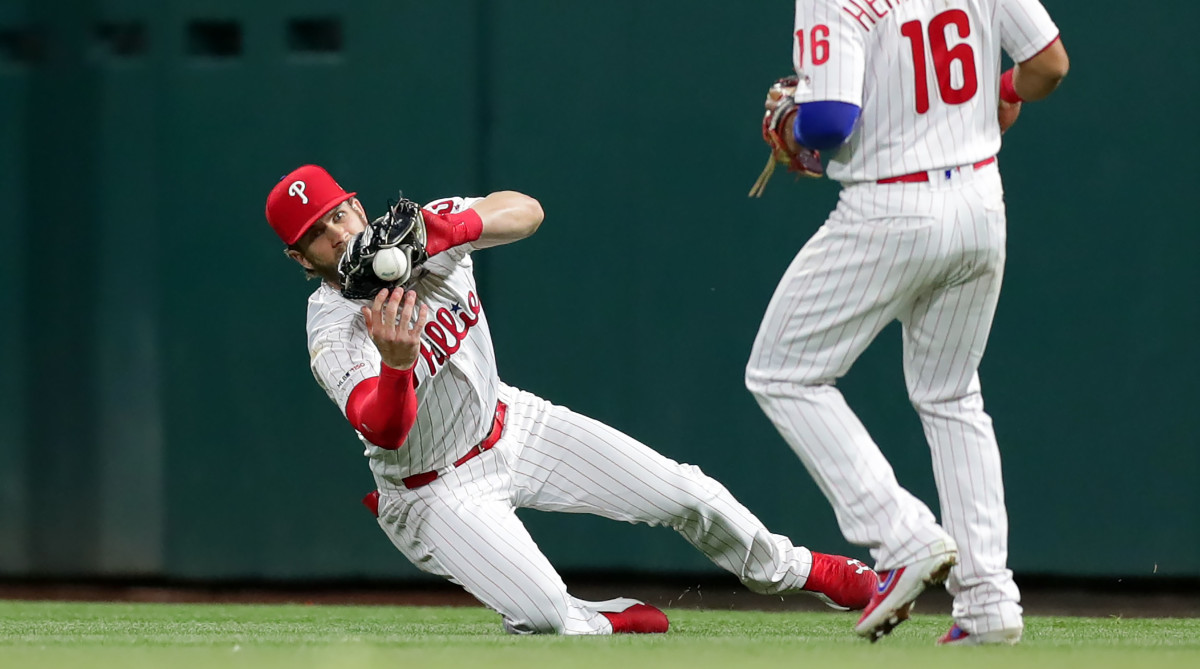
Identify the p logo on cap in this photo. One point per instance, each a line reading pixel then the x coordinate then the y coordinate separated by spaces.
pixel 297 189
pixel 300 198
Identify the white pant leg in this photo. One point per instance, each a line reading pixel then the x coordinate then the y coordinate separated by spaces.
pixel 854 276
pixel 463 527
pixel 571 463
pixel 871 507
pixel 944 339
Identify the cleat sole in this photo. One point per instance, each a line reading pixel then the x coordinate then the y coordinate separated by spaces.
pixel 936 577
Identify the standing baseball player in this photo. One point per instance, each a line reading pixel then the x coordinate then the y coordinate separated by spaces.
pixel 408 358
pixel 909 99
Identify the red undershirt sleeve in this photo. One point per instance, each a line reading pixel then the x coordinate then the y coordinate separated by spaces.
pixel 384 408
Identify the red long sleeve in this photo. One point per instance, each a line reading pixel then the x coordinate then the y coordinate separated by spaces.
pixel 384 408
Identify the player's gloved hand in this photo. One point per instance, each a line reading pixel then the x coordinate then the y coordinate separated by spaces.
pixel 777 133
pixel 402 228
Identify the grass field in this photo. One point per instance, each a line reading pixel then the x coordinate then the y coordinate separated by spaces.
pixel 40 635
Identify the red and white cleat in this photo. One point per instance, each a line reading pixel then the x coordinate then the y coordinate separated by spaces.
pixel 626 616
pixel 957 636
pixel 637 618
pixel 898 589
pixel 842 583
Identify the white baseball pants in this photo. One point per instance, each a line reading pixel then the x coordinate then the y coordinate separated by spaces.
pixel 932 256
pixel 463 526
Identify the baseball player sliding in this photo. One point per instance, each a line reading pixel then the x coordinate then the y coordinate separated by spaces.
pixel 400 341
pixel 908 97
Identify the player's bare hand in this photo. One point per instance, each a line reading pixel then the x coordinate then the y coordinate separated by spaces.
pixel 390 325
pixel 1008 115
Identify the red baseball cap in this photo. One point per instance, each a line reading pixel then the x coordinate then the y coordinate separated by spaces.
pixel 300 198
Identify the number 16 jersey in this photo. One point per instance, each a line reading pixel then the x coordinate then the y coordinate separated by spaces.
pixel 926 74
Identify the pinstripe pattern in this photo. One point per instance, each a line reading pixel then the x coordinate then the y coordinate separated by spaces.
pixel 571 463
pixel 456 396
pixel 930 255
pixel 462 526
pixel 871 64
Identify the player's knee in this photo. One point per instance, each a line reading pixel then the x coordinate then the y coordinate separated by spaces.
pixel 695 484
pixel 764 388
pixel 756 389
pixel 758 385
pixel 748 379
pixel 695 496
pixel 946 405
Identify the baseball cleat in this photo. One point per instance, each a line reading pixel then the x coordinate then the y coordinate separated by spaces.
pixel 896 592
pixel 957 636
pixel 637 618
pixel 627 616
pixel 842 583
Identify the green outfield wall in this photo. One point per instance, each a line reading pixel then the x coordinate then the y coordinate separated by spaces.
pixel 157 414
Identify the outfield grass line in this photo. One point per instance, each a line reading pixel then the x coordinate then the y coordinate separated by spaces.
pixel 44 635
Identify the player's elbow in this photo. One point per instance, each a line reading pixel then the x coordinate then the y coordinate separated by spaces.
pixel 1039 76
pixel 1055 70
pixel 533 214
pixel 1061 62
pixel 523 213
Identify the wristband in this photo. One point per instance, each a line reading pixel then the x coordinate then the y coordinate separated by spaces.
pixel 450 230
pixel 468 226
pixel 1008 93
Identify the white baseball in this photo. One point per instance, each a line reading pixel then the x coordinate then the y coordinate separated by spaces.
pixel 390 264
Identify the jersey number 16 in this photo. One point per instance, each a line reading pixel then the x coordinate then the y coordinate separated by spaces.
pixel 943 58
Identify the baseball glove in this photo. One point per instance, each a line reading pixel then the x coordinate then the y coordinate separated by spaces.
pixel 402 227
pixel 776 121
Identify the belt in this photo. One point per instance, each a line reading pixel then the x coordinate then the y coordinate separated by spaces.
pixel 371 501
pixel 418 480
pixel 919 177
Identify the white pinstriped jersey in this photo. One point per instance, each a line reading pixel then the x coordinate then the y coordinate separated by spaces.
pixel 926 74
pixel 456 375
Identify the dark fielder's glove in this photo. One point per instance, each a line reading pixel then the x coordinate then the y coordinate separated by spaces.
pixel 776 121
pixel 388 253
